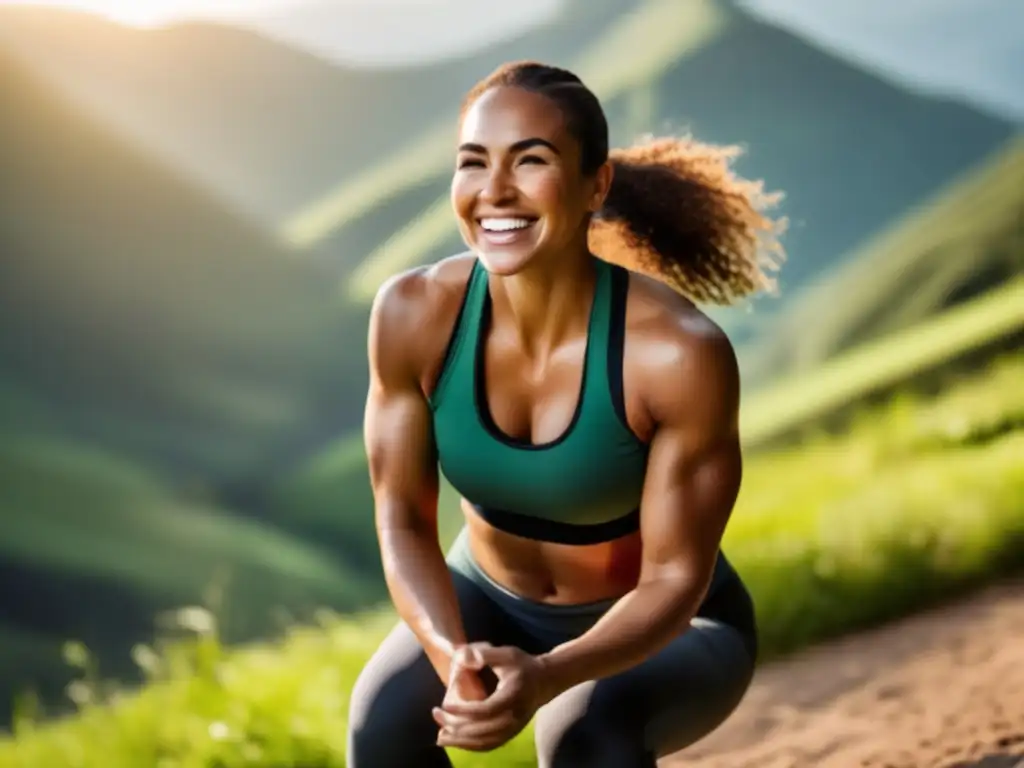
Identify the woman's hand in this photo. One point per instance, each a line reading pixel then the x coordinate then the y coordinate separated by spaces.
pixel 487 724
pixel 464 684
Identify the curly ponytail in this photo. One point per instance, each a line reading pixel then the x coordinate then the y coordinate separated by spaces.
pixel 675 210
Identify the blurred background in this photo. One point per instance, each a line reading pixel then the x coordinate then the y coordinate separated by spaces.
pixel 198 200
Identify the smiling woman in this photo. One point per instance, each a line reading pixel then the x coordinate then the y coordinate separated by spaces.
pixel 588 416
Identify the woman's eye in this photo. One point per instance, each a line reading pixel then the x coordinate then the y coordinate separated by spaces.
pixel 533 159
pixel 470 164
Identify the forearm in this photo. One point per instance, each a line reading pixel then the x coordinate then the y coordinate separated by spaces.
pixel 422 591
pixel 639 625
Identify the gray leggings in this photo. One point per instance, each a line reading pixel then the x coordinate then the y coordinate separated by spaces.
pixel 660 706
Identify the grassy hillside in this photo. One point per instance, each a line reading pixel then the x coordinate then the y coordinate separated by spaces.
pixel 923 351
pixel 964 238
pixel 919 501
pixel 76 510
pixel 96 547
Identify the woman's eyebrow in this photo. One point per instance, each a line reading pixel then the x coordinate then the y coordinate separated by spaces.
pixel 519 146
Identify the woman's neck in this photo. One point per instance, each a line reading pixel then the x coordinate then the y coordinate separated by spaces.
pixel 547 303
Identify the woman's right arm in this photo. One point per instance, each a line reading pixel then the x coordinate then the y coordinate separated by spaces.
pixel 403 470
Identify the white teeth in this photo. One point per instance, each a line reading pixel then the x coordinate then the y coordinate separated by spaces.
pixel 504 225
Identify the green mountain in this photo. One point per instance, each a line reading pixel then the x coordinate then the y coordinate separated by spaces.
pixel 149 316
pixel 852 151
pixel 160 360
pixel 353 163
pixel 957 243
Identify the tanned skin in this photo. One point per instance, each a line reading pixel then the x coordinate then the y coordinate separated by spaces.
pixel 681 395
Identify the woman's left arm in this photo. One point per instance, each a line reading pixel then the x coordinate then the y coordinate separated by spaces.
pixel 693 479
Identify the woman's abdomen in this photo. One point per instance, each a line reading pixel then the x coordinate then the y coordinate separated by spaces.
pixel 559 574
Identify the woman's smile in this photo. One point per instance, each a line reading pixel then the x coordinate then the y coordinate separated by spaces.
pixel 507 230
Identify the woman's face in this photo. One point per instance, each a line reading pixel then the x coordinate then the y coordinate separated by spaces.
pixel 517 191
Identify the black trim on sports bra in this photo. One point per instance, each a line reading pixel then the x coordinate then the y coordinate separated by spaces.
pixel 449 350
pixel 617 341
pixel 617 346
pixel 538 529
pixel 482 407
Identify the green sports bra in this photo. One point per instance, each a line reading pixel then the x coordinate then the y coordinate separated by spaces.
pixel 583 487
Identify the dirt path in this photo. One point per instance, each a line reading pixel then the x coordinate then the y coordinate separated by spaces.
pixel 940 690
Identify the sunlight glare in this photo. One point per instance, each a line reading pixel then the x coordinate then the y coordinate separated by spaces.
pixel 136 13
pixel 154 13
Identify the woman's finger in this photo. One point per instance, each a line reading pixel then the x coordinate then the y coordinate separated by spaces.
pixel 473 729
pixel 471 656
pixel 475 744
pixel 447 719
pixel 493 705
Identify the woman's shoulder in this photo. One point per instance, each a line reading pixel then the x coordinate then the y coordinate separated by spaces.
pixel 414 311
pixel 415 295
pixel 673 348
pixel 656 312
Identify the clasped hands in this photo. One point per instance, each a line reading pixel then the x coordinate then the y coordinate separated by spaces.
pixel 470 719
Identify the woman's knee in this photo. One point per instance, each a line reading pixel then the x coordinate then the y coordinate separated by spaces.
pixel 693 686
pixel 578 729
pixel 389 720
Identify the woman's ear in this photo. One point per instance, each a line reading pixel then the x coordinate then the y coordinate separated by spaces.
pixel 604 178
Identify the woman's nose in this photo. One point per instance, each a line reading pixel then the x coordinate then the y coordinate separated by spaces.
pixel 498 187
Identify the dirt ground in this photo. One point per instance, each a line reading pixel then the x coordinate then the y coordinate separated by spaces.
pixel 940 690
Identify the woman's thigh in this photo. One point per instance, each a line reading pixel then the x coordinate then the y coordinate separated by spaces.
pixel 662 705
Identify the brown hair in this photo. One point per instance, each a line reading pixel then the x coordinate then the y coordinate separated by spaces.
pixel 675 209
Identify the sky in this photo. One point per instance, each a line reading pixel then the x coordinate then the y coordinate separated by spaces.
pixel 353 32
pixel 972 49
pixel 969 49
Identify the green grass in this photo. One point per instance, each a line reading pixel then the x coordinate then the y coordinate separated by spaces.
pixel 801 398
pixel 921 498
